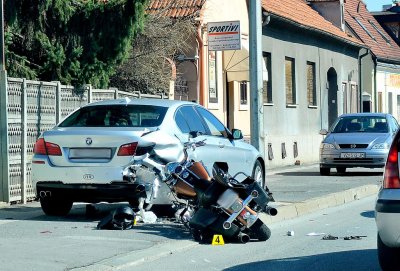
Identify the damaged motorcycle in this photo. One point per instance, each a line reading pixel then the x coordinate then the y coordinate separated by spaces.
pixel 208 205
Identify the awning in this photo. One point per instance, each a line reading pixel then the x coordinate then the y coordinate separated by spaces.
pixel 236 64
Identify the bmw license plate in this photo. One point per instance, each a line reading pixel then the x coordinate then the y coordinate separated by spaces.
pixel 352 155
pixel 87 153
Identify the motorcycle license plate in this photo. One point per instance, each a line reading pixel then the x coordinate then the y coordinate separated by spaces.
pixel 352 155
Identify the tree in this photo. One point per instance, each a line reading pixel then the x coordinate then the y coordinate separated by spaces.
pixel 147 69
pixel 74 41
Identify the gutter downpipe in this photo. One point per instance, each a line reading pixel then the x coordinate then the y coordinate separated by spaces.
pixel 200 83
pixel 360 76
pixel 375 84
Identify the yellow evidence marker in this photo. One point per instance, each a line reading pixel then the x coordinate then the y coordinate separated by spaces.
pixel 218 240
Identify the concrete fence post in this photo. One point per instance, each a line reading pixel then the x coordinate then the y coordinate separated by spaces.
pixel 58 103
pixel 89 91
pixel 4 160
pixel 24 142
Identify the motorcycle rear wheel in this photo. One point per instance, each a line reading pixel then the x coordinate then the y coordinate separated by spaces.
pixel 260 231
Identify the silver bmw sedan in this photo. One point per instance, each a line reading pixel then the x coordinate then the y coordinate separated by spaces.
pixel 82 158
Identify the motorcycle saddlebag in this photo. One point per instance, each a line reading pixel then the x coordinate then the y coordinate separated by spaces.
pixel 206 219
pixel 263 196
pixel 203 218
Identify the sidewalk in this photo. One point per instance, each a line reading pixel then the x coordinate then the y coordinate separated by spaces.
pixel 300 190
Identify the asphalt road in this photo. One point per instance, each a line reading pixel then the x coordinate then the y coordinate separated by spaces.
pixel 29 240
pixel 306 250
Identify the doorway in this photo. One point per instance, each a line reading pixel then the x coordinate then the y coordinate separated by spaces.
pixel 332 96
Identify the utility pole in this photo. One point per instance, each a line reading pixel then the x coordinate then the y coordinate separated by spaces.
pixel 256 80
pixel 2 62
pixel 4 167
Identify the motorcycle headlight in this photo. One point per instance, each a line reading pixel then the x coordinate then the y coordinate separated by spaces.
pixel 327 146
pixel 380 146
pixel 172 167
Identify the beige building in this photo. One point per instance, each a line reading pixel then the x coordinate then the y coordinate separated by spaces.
pixel 217 80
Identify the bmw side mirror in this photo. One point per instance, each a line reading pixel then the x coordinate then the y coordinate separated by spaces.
pixel 323 132
pixel 237 134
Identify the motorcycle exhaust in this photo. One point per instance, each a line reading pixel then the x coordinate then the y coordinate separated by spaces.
pixel 243 238
pixel 271 211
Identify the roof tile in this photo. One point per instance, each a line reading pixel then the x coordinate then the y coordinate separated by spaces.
pixel 175 8
pixel 300 12
pixel 370 31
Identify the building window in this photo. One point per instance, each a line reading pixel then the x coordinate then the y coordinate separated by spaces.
pixel 346 98
pixel 311 85
pixel 354 99
pixel 390 102
pixel 212 77
pixel 380 32
pixel 267 82
pixel 243 93
pixel 364 28
pixel 290 81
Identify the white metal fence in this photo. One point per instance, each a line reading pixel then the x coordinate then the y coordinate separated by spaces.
pixel 32 107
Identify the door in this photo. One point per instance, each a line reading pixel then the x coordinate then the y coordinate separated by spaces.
pixel 189 121
pixel 332 96
pixel 227 150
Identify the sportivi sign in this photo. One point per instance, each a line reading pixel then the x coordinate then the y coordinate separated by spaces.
pixel 224 36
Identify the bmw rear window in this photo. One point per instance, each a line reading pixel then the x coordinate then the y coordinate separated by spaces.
pixel 116 116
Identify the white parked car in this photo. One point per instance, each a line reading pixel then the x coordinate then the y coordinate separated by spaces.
pixel 387 211
pixel 83 157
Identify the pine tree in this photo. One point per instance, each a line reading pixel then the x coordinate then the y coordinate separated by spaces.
pixel 73 41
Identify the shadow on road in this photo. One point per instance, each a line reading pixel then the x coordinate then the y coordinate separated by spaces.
pixel 79 212
pixel 165 226
pixel 356 260
pixel 368 214
pixel 333 173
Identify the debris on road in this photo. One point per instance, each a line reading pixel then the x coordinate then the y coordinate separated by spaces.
pixel 290 233
pixel 356 237
pixel 330 237
pixel 146 217
pixel 315 233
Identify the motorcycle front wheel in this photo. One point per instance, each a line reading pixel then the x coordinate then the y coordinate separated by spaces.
pixel 260 231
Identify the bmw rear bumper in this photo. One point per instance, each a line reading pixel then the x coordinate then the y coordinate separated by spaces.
pixel 93 193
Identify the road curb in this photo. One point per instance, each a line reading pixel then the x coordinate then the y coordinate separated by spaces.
pixel 294 210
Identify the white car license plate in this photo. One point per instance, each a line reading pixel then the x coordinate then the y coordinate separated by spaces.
pixel 352 155
pixel 85 153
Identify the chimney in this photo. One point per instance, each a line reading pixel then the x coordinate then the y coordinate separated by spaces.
pixel 332 11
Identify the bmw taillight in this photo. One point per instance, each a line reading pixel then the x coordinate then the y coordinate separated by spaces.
pixel 391 176
pixel 46 148
pixel 127 149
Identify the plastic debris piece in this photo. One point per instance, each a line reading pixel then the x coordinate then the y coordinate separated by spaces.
pixel 290 233
pixel 330 237
pixel 356 237
pixel 45 232
pixel 315 233
pixel 147 217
